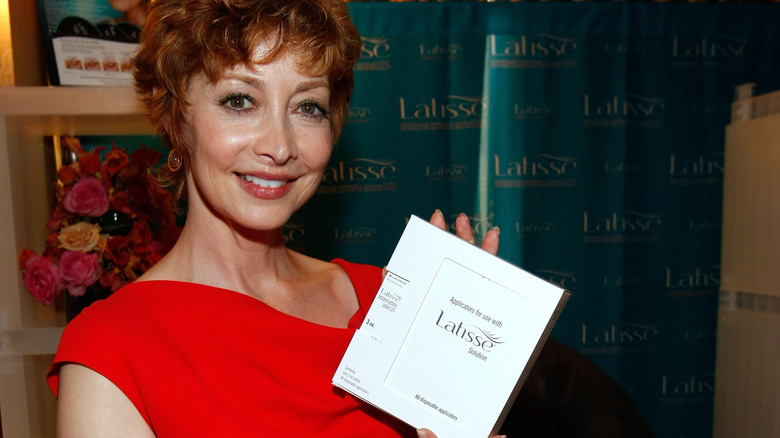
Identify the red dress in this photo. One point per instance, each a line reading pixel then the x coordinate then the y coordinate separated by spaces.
pixel 202 361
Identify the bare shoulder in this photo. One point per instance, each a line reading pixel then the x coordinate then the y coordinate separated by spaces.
pixel 330 297
pixel 90 405
pixel 313 267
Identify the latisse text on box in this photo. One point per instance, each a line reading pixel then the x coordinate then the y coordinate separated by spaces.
pixel 450 336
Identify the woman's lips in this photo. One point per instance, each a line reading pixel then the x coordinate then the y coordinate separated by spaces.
pixel 264 188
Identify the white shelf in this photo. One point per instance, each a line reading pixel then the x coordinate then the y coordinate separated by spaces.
pixel 29 331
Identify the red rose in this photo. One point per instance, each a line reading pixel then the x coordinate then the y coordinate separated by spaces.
pixel 67 174
pixel 42 280
pixel 118 250
pixel 90 163
pixel 140 233
pixel 111 280
pixel 24 257
pixel 145 158
pixel 116 159
pixel 121 202
pixel 78 270
pixel 88 197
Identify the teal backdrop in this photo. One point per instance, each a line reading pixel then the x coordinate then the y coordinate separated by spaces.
pixel 591 133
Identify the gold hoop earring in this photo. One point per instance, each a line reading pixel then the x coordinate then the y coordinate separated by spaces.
pixel 174 161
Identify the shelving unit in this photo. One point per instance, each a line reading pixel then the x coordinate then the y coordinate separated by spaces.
pixel 29 331
pixel 747 384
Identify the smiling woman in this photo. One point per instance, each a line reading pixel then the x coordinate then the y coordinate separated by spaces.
pixel 232 333
pixel 266 128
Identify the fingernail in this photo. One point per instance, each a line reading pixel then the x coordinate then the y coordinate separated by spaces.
pixel 498 233
pixel 464 215
pixel 422 434
pixel 438 212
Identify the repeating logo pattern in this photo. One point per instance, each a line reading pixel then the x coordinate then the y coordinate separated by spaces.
pixel 596 147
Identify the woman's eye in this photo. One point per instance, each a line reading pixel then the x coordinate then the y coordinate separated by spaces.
pixel 238 102
pixel 311 108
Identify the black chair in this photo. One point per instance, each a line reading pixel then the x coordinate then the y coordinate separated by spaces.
pixel 566 395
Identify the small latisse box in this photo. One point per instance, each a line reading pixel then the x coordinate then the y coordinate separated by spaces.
pixel 450 336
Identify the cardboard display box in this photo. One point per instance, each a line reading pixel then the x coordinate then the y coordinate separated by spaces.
pixel 90 42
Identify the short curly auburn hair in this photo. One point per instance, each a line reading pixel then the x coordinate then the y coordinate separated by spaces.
pixel 182 38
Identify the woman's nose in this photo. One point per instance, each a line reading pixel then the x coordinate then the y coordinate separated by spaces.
pixel 277 141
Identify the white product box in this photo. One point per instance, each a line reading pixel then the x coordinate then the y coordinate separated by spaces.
pixel 451 335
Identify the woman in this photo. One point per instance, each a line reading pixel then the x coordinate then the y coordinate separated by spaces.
pixel 232 334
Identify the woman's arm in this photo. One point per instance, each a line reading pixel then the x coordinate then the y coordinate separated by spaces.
pixel 89 405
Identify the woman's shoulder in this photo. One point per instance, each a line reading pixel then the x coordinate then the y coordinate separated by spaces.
pixel 137 301
pixel 365 279
pixel 361 274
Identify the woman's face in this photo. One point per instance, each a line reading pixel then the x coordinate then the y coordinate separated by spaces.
pixel 260 140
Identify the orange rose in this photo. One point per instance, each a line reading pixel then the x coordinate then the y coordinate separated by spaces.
pixel 81 236
pixel 73 144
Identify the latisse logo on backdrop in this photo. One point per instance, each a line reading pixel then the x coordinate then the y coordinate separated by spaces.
pixel 714 112
pixel 621 282
pixel 698 170
pixel 374 54
pixel 358 114
pixel 532 51
pixel 360 175
pixel 540 170
pixel 564 279
pixel 712 224
pixel 446 172
pixel 621 226
pixel 441 52
pixel 533 111
pixel 294 235
pixel 625 45
pixel 634 110
pixel 537 227
pixel 717 51
pixel 453 112
pixel 626 337
pixel 622 168
pixel 687 389
pixel 355 234
pixel 690 282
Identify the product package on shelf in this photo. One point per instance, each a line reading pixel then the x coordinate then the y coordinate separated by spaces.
pixel 90 42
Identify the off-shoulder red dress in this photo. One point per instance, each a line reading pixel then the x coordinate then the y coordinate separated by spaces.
pixel 199 361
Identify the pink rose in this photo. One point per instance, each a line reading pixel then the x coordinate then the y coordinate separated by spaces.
pixel 42 279
pixel 88 197
pixel 78 270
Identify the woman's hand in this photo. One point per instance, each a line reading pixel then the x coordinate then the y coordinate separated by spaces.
pixel 425 433
pixel 464 231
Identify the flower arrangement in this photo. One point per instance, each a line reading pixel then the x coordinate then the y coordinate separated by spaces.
pixel 111 223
